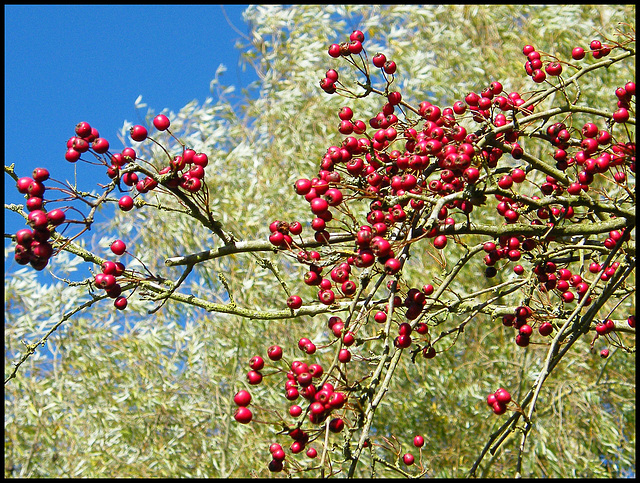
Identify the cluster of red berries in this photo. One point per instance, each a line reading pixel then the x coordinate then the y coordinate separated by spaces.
pixel 347 49
pixel 186 169
pixel 534 64
pixel 606 327
pixel 107 279
pixel 520 321
pixel 384 172
pixel 439 159
pixel 304 380
pixel 498 401
pixel 534 68
pixel 32 244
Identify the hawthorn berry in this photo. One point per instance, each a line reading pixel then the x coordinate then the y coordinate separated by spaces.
pixel 390 67
pixel 334 50
pixel 274 352
pixel 242 398
pixel 243 415
pixel 357 35
pixel 418 441
pixel 294 302
pixel 125 203
pixel 161 122
pixel 440 242
pixel 336 425
pixel 379 60
pixel 254 377
pixel 40 175
pixel 72 155
pixel 577 53
pixel 118 247
pixel 120 303
pixel 138 133
pixel 344 355
pixel 621 115
pixel 83 129
pixel 56 217
pixel 545 329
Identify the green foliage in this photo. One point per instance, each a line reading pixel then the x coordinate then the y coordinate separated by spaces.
pixel 140 394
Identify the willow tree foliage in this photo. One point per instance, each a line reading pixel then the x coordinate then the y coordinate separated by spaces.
pixel 464 344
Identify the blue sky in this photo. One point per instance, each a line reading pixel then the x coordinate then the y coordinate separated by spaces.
pixel 70 63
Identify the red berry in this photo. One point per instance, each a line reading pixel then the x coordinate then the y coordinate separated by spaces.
pixel 319 205
pixel 275 466
pixel 418 441
pixel 538 76
pixel 440 242
pixel 243 415
pixel 595 45
pixel 408 459
pixel 294 302
pixel 390 67
pixel 37 219
pixel 499 408
pixel 334 50
pixel 120 303
pixel 621 115
pixel 83 129
pixel 328 86
pixel 295 411
pixel 505 182
pixel 332 75
pixel 333 196
pixel 394 98
pixel 545 329
pixel 355 47
pixel 518 175
pixel 56 217
pixel 24 237
pixel 23 184
pixel 379 60
pixel 336 425
pixel 254 377
pixel 40 175
pixel 100 145
pixel 201 159
pixel 577 53
pixel 344 355
pixel 138 133
pixel 118 247
pixel 357 35
pixel 125 203
pixel 256 363
pixel 392 266
pixel 274 353
pixel 553 68
pixel 161 122
pixel 242 398
pixel 429 352
pixel 503 396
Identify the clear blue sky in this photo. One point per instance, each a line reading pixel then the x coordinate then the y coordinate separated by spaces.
pixel 65 64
